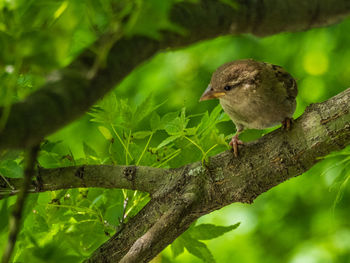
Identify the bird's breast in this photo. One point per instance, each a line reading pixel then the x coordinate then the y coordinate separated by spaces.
pixel 254 113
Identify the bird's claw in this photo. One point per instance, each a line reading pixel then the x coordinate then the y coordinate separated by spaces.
pixel 234 143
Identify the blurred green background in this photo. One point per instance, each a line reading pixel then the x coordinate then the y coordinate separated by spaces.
pixel 304 220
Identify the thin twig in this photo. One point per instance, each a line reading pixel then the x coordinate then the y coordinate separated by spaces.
pixel 15 219
pixel 7 182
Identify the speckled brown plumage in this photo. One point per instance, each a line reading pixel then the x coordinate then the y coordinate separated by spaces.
pixel 256 95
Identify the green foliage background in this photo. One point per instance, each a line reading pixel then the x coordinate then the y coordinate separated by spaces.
pixel 154 118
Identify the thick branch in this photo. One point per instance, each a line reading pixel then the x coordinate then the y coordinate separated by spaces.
pixel 275 158
pixel 62 101
pixel 162 227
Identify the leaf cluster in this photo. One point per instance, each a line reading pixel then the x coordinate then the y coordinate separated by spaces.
pixel 92 215
pixel 119 123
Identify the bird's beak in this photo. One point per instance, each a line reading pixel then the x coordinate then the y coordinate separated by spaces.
pixel 209 93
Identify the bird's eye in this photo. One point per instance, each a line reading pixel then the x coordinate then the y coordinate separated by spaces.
pixel 227 88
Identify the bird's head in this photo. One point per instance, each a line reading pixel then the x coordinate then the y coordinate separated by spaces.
pixel 232 80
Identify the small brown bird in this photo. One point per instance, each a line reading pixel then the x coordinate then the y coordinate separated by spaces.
pixel 256 95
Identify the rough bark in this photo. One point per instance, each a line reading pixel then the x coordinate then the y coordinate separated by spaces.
pixel 71 93
pixel 180 196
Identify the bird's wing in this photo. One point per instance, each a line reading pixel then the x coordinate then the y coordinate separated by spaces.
pixel 289 82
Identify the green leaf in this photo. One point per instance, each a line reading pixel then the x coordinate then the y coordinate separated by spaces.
pixel 174 127
pixel 168 140
pixel 88 151
pixel 9 155
pixel 341 180
pixel 137 202
pixel 40 225
pixel 126 114
pixel 223 117
pixel 167 118
pixel 11 169
pixel 343 152
pixel 49 159
pixel 155 121
pixel 177 247
pixel 191 131
pixel 216 115
pixel 141 134
pixel 145 108
pixel 48 145
pixel 338 165
pixel 109 104
pixel 183 115
pixel 107 111
pixel 53 251
pixel 105 132
pixel 113 214
pixel 341 191
pixel 210 231
pixel 198 249
pixel 177 125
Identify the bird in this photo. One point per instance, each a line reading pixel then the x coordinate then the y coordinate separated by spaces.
pixel 254 94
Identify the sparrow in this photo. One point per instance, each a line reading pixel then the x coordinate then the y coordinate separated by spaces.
pixel 255 95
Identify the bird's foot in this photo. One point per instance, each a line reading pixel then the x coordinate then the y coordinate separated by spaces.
pixel 234 143
pixel 287 123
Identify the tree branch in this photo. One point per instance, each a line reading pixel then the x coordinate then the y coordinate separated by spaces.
pixel 146 179
pixel 71 94
pixel 172 217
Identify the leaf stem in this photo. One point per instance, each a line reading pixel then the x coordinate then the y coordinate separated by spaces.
pixel 127 148
pixel 206 153
pixel 121 141
pixel 144 150
pixel 195 144
pixel 170 156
